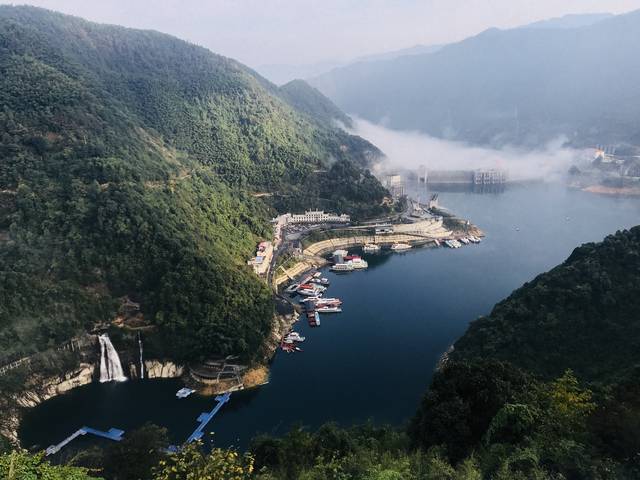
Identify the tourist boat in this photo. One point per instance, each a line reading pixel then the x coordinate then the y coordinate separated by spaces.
pixel 396 247
pixel 371 248
pixel 328 309
pixel 184 392
pixel 308 292
pixel 359 264
pixel 314 319
pixel 342 267
pixel 295 337
pixel 311 299
pixel 327 301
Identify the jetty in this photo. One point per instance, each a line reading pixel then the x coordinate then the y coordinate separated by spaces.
pixel 206 417
pixel 112 434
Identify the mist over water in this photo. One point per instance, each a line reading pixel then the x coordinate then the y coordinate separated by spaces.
pixel 407 150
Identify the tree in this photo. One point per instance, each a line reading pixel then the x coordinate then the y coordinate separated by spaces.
pixel 137 454
pixel 190 464
pixel 20 465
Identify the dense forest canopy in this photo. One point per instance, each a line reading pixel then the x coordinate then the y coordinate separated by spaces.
pixel 582 315
pixel 129 160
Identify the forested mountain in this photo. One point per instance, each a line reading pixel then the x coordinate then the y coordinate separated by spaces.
pixel 523 86
pixel 309 100
pixel 583 315
pixel 128 163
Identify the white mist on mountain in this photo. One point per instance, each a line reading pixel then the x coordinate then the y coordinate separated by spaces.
pixel 408 150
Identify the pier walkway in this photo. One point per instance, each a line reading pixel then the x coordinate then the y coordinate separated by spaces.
pixel 113 434
pixel 206 417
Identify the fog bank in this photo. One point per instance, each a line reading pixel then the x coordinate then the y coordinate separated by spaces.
pixel 406 150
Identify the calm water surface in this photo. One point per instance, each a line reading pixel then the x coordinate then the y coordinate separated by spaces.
pixel 373 361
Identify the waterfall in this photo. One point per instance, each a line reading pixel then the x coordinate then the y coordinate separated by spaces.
pixel 141 363
pixel 110 367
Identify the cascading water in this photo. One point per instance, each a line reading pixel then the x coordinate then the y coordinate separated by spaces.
pixel 110 367
pixel 141 362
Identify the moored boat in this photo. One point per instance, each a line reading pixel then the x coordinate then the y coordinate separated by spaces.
pixel 398 247
pixel 371 248
pixel 328 309
pixel 359 264
pixel 184 392
pixel 342 267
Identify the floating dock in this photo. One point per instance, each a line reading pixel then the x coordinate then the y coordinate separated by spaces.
pixel 113 434
pixel 206 417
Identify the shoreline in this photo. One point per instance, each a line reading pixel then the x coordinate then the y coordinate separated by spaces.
pixel 612 191
pixel 250 376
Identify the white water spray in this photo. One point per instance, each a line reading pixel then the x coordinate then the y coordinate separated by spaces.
pixel 141 362
pixel 110 367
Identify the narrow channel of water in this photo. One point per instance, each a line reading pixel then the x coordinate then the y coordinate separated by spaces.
pixel 375 360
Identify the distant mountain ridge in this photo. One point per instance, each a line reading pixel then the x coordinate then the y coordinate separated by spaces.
pixel 524 86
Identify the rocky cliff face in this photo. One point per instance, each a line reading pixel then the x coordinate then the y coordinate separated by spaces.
pixel 156 369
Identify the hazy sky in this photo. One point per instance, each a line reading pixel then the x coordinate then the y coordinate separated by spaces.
pixel 260 32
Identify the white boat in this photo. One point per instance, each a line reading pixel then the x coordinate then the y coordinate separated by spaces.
pixel 311 299
pixel 294 337
pixel 371 248
pixel 359 264
pixel 184 392
pixel 308 292
pixel 437 242
pixel 396 247
pixel 328 301
pixel 328 309
pixel 464 240
pixel 292 288
pixel 342 267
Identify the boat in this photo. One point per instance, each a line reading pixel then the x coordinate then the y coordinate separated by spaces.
pixel 371 248
pixel 308 292
pixel 342 267
pixel 295 337
pixel 310 300
pixel 184 392
pixel 437 242
pixel 320 281
pixel 327 301
pixel 464 240
pixel 400 246
pixel 292 288
pixel 314 319
pixel 359 264
pixel 328 309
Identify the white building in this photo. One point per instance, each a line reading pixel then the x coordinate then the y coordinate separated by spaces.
pixel 317 216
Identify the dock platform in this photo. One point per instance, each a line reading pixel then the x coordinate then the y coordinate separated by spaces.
pixel 114 434
pixel 206 417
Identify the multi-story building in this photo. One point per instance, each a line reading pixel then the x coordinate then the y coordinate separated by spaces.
pixel 316 216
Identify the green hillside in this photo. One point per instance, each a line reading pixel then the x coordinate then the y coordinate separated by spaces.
pixel 582 315
pixel 129 160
